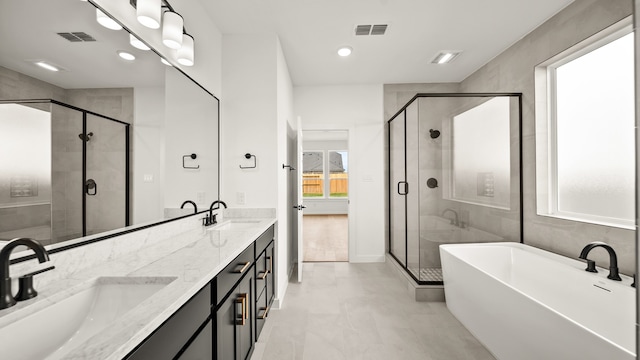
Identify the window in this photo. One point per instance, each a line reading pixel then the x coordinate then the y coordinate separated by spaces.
pixel 313 174
pixel 585 142
pixel 480 156
pixel 339 174
pixel 315 178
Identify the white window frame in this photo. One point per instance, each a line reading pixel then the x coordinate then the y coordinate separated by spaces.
pixel 546 135
pixel 328 177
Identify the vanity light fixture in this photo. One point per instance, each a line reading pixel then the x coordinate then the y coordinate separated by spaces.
pixel 186 52
pixel 136 43
pixel 46 65
pixel 445 57
pixel 104 20
pixel 345 51
pixel 149 13
pixel 172 29
pixel 125 55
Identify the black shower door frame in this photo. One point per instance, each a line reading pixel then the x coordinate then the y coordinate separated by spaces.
pixel 86 112
pixel 392 187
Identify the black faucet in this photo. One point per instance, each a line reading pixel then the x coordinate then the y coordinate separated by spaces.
pixel 195 207
pixel 454 221
pixel 613 259
pixel 211 218
pixel 26 290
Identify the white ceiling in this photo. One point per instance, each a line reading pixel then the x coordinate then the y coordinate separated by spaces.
pixel 312 30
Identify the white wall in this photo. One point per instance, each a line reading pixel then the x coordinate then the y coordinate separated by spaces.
pixel 249 112
pixel 358 109
pixel 256 107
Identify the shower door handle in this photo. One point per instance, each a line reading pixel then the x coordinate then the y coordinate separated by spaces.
pixel 91 187
pixel 406 188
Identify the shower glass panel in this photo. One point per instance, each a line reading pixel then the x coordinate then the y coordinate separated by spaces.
pixel 66 173
pixel 105 179
pixel 413 196
pixel 454 176
pixel 398 189
pixel 25 171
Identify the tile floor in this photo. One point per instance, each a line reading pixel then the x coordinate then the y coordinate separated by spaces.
pixel 326 237
pixel 361 311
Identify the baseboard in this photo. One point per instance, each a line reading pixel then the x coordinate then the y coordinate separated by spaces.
pixel 367 259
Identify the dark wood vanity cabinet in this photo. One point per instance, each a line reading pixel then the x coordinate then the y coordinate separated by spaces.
pixel 224 319
pixel 182 334
pixel 234 322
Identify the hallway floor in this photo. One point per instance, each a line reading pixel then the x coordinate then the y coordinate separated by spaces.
pixel 326 237
pixel 361 311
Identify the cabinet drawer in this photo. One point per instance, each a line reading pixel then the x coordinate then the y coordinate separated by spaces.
pixel 261 271
pixel 270 280
pixel 231 274
pixel 264 240
pixel 171 336
pixel 262 311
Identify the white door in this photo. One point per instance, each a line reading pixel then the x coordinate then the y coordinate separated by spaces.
pixel 299 207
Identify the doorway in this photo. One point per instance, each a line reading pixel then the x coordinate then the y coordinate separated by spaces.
pixel 325 190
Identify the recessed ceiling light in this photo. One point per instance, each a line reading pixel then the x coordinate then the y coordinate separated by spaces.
pixel 164 61
pixel 445 57
pixel 106 21
pixel 136 43
pixel 345 51
pixel 125 55
pixel 47 66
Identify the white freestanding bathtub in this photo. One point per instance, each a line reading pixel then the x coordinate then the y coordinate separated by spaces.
pixel 525 303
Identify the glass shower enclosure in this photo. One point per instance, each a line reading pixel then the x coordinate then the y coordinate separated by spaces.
pixel 63 171
pixel 454 176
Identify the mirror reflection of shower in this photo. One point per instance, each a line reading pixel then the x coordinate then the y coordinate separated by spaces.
pixel 49 186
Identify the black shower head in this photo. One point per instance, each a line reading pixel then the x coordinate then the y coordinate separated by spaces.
pixel 434 133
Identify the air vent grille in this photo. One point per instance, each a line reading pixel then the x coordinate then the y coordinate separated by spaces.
pixel 77 36
pixel 363 30
pixel 379 29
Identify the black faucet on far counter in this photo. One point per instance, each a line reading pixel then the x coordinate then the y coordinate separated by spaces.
pixel 613 259
pixel 25 282
pixel 211 218
pixel 195 207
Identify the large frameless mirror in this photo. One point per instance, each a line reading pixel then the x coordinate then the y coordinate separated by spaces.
pixel 92 141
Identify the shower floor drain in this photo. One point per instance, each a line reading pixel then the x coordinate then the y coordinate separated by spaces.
pixel 430 274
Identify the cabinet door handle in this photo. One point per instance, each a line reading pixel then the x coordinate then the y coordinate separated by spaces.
pixel 242 299
pixel 263 275
pixel 264 314
pixel 244 267
pixel 270 269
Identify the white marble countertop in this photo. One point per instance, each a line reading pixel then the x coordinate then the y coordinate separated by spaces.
pixel 205 253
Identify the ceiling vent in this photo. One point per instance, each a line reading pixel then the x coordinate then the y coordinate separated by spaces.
pixel 363 30
pixel 371 29
pixel 77 36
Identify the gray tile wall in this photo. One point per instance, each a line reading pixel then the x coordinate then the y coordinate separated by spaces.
pixel 513 71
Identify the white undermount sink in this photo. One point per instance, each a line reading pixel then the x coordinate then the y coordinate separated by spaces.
pixel 236 225
pixel 54 330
